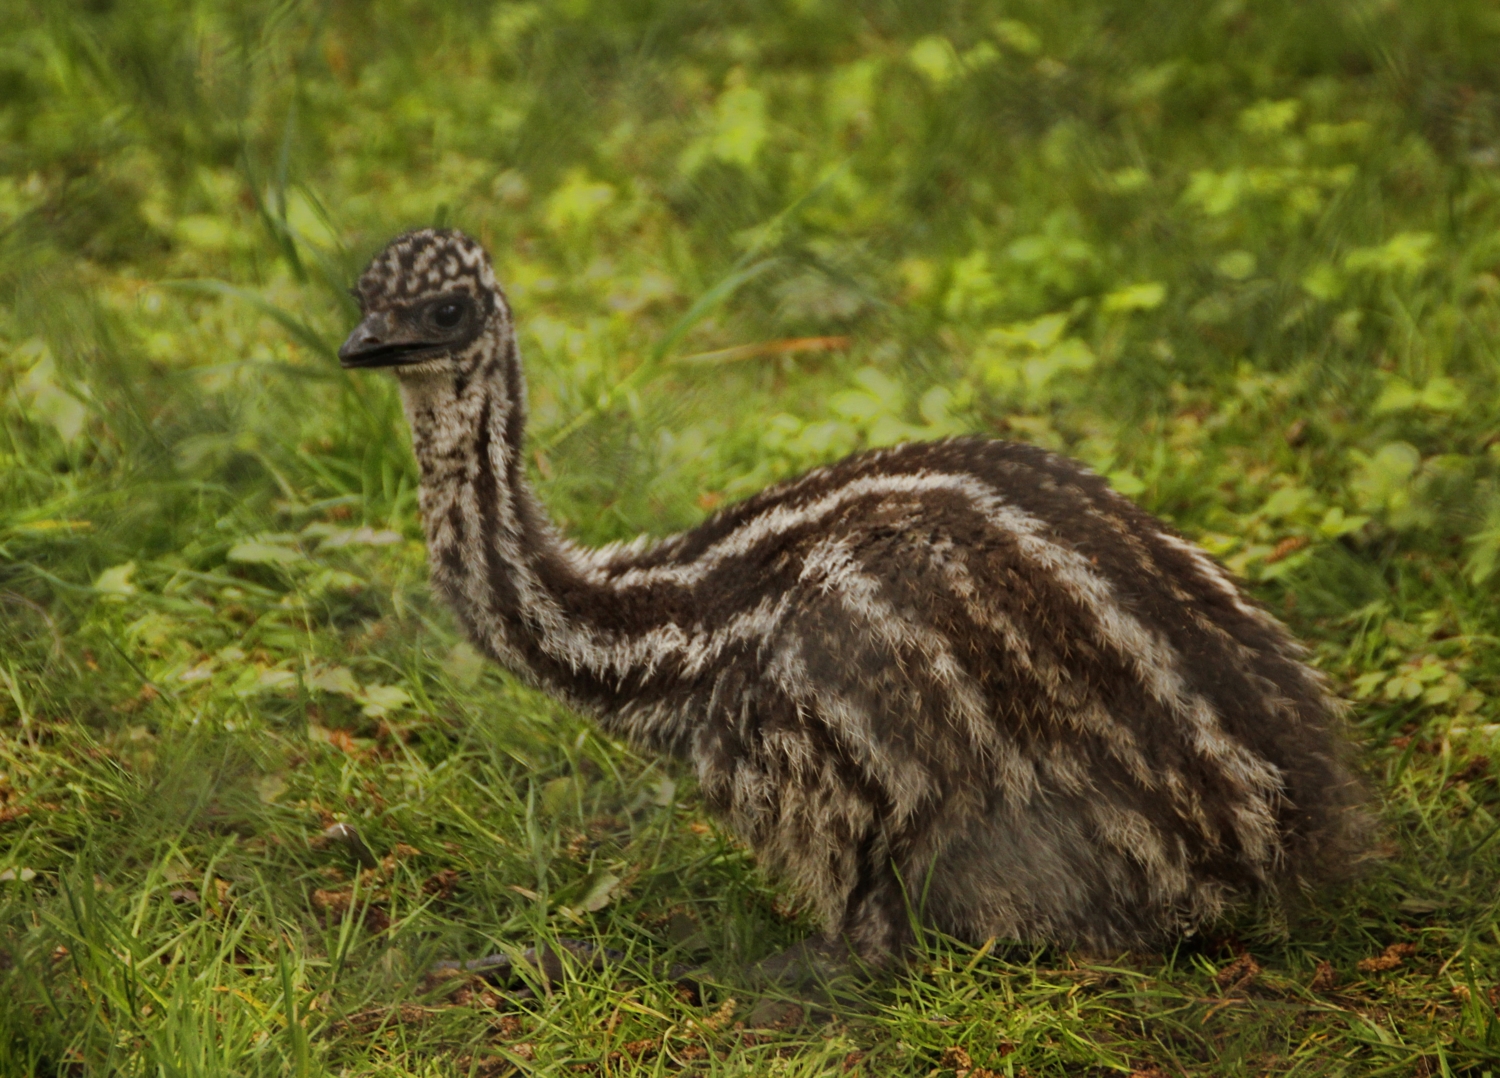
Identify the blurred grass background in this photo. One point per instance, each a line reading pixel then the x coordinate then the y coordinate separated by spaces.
pixel 1243 257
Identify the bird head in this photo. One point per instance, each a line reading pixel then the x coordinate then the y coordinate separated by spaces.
pixel 430 305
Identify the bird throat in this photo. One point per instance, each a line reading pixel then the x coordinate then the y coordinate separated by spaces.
pixel 494 555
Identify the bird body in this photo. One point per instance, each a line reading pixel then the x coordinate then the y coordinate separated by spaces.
pixel 964 679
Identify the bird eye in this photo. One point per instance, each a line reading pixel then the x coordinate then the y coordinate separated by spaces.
pixel 448 315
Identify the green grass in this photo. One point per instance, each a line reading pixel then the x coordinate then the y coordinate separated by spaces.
pixel 1244 258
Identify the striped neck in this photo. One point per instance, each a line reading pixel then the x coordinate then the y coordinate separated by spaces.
pixel 519 587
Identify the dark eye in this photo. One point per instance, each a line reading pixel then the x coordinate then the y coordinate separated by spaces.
pixel 448 315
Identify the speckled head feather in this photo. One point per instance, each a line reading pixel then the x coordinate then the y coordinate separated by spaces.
pixel 425 263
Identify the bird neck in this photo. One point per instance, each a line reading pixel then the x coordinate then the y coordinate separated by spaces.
pixel 523 592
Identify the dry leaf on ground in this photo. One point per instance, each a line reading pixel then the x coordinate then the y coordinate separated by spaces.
pixel 1238 973
pixel 1389 960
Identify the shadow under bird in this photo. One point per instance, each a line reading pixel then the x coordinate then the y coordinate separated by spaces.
pixel 962 681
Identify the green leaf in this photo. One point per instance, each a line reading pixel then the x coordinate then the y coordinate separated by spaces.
pixel 115 581
pixel 1071 356
pixel 49 400
pixel 1018 36
pixel 1146 296
pixel 258 553
pixel 1040 334
pixel 1268 118
pixel 1323 282
pixel 1335 523
pixel 741 125
pixel 601 890
pixel 972 288
pixel 934 57
pixel 1403 253
pixel 269 787
pixel 557 795
pixel 381 700
pixel 1383 480
pixel 1440 394
pixel 577 202
pixel 856 405
pixel 272 681
pixel 734 133
pixel 1399 395
pixel 364 536
pixel 1288 502
pixel 1236 265
pixel 334 679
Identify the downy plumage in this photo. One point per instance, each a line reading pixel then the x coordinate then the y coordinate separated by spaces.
pixel 963 680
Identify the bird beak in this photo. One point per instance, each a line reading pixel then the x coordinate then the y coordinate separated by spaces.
pixel 376 343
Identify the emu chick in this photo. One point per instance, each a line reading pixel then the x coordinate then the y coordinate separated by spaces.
pixel 964 677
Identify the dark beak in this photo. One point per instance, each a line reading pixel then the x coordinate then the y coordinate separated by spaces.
pixel 376 343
